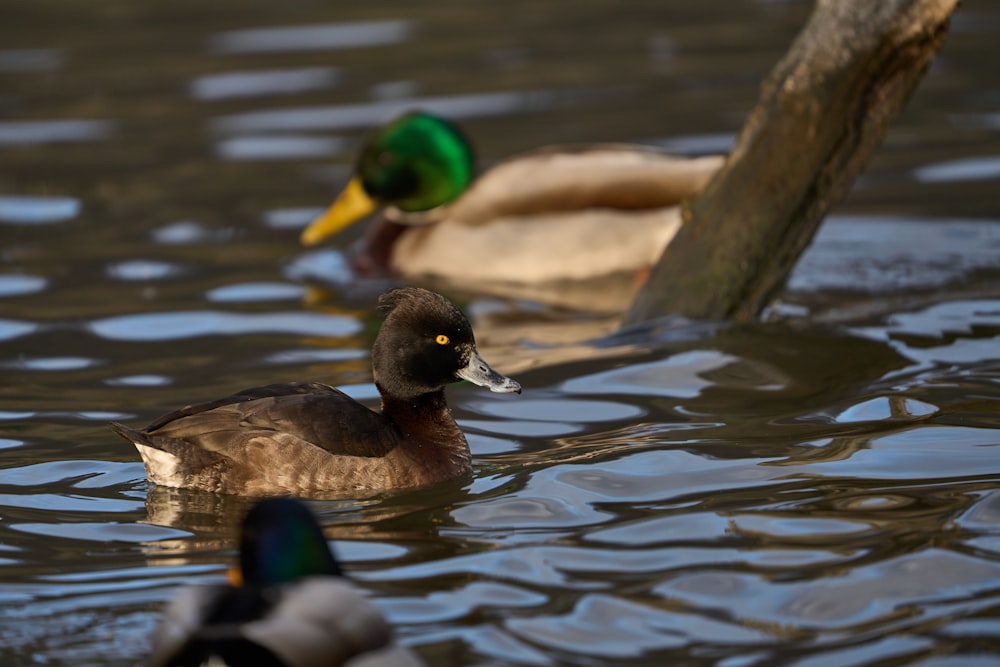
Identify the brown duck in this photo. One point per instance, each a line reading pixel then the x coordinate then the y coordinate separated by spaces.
pixel 311 439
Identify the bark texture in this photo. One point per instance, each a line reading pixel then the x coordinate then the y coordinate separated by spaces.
pixel 822 112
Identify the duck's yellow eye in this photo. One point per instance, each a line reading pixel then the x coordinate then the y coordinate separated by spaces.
pixel 442 339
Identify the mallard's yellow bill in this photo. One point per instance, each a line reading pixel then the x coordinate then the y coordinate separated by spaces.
pixel 352 205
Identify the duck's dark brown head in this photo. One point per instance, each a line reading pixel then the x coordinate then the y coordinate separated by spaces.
pixel 425 344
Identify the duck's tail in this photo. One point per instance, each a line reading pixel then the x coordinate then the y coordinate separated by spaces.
pixel 161 465
pixel 130 434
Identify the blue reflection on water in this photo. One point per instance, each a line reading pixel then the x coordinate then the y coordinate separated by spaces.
pixel 317 37
pixel 54 131
pixel 984 168
pixel 257 83
pixel 187 324
pixel 348 116
pixel 36 210
pixel 259 291
pixel 18 284
pixel 278 147
pixel 15 328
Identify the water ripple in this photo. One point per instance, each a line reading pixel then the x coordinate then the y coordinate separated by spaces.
pixel 544 410
pixel 610 627
pixel 351 116
pixel 260 291
pixel 189 324
pixel 147 380
pixel 75 474
pixel 14 133
pixel 873 592
pixel 984 168
pixel 452 605
pixel 316 37
pixel 278 147
pixel 883 253
pixel 16 285
pixel 256 83
pixel 679 376
pixel 290 218
pixel 30 60
pixel 15 328
pixel 188 231
pixel 37 210
pixel 143 269
pixel 52 363
pixel 111 531
pixel 883 408
pixel 53 502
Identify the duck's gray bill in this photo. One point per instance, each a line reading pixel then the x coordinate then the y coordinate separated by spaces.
pixel 479 372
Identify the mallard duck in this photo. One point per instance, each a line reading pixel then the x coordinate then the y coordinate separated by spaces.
pixel 554 214
pixel 312 439
pixel 288 606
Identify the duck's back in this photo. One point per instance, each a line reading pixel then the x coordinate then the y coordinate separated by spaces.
pixel 296 437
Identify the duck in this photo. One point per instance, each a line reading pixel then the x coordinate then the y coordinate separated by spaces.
pixel 555 214
pixel 287 605
pixel 310 439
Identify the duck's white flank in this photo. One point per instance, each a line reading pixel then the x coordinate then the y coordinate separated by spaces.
pixel 161 467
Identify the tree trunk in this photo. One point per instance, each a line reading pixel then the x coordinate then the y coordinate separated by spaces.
pixel 823 110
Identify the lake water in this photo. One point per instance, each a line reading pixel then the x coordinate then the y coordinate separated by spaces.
pixel 822 488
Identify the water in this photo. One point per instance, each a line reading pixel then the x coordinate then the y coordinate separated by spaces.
pixel 822 488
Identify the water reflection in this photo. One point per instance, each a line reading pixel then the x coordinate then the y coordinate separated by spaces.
pixel 256 292
pixel 143 269
pixel 188 231
pixel 14 328
pixel 211 87
pixel 172 326
pixel 313 37
pixel 37 210
pixel 968 169
pixel 889 254
pixel 13 285
pixel 280 147
pixel 25 132
pixel 352 116
pixel 30 60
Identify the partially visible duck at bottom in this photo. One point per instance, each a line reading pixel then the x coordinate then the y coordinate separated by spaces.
pixel 290 606
pixel 310 439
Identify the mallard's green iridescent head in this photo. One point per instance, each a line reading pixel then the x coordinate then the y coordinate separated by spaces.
pixel 282 543
pixel 415 163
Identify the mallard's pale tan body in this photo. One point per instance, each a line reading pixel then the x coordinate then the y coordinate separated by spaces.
pixel 555 215
pixel 317 621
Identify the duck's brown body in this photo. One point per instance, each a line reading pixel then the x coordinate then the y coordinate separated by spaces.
pixel 236 444
pixel 313 440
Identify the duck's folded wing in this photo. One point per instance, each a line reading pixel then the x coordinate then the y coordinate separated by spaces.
pixel 313 413
pixel 252 394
